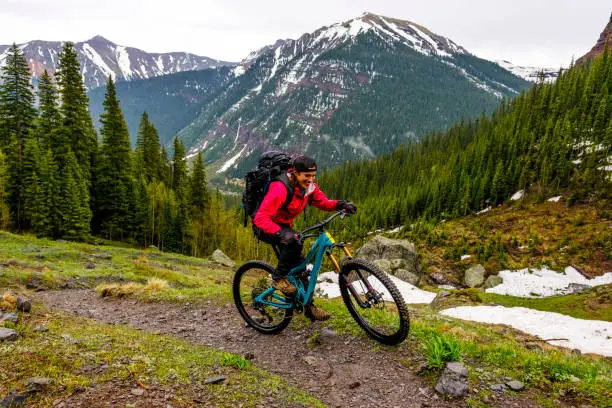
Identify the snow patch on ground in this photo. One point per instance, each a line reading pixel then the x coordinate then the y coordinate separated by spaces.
pixel 589 336
pixel 484 211
pixel 531 283
pixel 518 195
pixel 554 199
pixel 328 285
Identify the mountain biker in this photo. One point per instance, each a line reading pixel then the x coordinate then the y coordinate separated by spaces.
pixel 273 221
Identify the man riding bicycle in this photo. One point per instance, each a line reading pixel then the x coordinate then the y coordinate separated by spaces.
pixel 274 220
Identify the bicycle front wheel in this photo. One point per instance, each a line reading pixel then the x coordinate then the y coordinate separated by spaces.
pixel 251 280
pixel 374 301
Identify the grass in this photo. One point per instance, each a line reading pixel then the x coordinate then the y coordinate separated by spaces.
pixel 72 344
pixel 442 349
pixel 30 262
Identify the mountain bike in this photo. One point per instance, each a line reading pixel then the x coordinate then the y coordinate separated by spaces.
pixel 370 296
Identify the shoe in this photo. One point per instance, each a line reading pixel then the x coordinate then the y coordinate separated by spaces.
pixel 315 313
pixel 284 286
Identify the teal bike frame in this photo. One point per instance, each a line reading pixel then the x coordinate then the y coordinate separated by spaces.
pixel 322 246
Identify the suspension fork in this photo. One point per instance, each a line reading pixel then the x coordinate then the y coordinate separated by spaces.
pixel 334 261
pixel 350 287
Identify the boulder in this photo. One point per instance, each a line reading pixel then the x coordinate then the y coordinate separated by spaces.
pixel 407 276
pixel 392 255
pixel 474 276
pixel 380 247
pixel 219 257
pixel 454 380
pixel 383 264
pixel 492 281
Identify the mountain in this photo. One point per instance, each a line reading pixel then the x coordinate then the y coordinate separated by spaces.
pixel 172 101
pixel 100 58
pixel 351 90
pixel 604 38
pixel 531 74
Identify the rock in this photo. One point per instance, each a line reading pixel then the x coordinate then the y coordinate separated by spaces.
pixel 399 253
pixel 577 287
pixel 10 317
pixel 23 304
pixel 90 265
pixel 8 334
pixel 310 360
pixel 383 264
pixel 439 278
pixel 37 384
pixel 515 385
pixel 42 329
pixel 380 247
pixel 137 391
pixel 13 400
pixel 407 276
pixel 474 276
pixel 498 387
pixel 454 380
pixel 214 380
pixel 492 281
pixel 464 297
pixel 219 257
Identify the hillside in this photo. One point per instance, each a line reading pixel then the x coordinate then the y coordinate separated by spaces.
pixel 172 101
pixel 555 138
pixel 351 90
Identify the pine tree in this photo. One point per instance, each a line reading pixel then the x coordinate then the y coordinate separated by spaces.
pixel 74 200
pixel 49 120
pixel 77 131
pixel 148 155
pixel 49 219
pixel 114 183
pixel 4 210
pixel 17 116
pixel 17 111
pixel 198 188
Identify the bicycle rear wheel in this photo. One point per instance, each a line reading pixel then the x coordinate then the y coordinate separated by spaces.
pixel 252 279
pixel 374 301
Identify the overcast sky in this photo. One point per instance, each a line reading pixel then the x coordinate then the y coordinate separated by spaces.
pixel 525 32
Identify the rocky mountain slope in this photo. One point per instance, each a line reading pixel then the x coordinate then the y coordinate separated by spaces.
pixel 604 38
pixel 351 90
pixel 100 58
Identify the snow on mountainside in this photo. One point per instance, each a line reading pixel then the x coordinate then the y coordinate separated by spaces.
pixel 100 58
pixel 353 89
pixel 531 74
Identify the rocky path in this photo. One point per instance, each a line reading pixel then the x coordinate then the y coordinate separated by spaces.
pixel 342 372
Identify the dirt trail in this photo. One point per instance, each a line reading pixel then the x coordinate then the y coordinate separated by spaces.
pixel 344 372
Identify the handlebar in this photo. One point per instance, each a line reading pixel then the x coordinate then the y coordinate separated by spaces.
pixel 323 223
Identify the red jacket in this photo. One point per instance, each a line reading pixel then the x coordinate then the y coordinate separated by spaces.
pixel 270 213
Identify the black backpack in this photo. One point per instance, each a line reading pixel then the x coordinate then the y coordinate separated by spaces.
pixel 273 165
